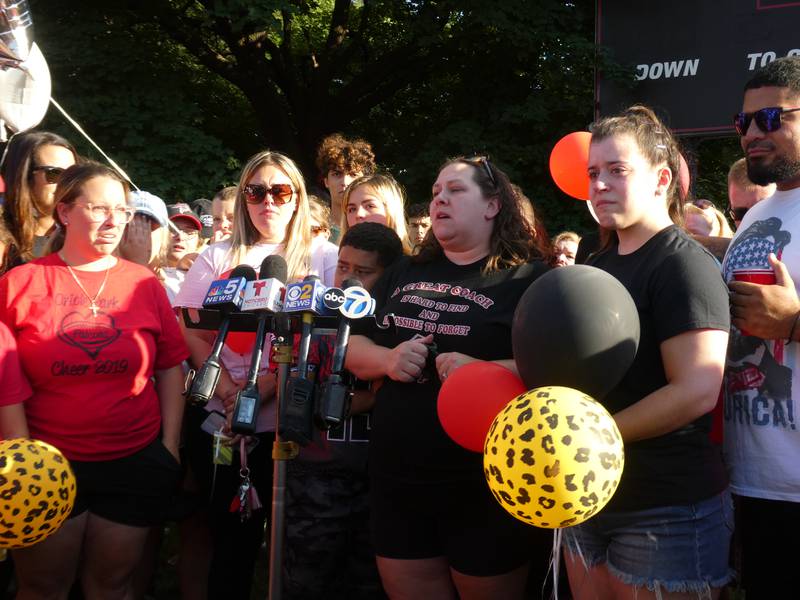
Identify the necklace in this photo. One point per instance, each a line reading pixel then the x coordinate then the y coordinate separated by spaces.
pixel 92 301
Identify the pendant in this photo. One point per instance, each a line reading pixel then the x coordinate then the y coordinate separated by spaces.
pixel 94 308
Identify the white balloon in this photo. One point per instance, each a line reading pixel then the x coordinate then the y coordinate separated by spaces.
pixel 25 92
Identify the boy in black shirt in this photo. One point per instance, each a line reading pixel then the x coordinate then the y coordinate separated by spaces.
pixel 327 520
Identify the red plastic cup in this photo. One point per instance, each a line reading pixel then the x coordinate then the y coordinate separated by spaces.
pixel 759 276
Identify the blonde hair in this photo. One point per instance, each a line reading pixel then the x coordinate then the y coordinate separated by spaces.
pixel 159 261
pixel 319 212
pixel 566 236
pixel 389 192
pixel 225 194
pixel 719 224
pixel 297 241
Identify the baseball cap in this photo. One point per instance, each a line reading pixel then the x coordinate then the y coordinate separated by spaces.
pixel 181 210
pixel 150 205
pixel 202 207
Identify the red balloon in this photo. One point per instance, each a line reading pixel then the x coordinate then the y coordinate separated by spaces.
pixel 568 163
pixel 472 397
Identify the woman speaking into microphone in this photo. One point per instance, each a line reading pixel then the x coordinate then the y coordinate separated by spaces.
pixel 271 216
pixel 101 348
pixel 437 530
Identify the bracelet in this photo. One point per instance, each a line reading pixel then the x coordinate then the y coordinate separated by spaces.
pixel 794 326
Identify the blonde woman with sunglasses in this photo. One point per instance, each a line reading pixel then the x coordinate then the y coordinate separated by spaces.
pixel 271 216
pixel 102 350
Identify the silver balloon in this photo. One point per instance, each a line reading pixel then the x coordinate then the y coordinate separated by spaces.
pixel 25 92
pixel 16 33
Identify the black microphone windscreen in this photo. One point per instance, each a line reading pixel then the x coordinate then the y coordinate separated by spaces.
pixel 310 277
pixel 274 267
pixel 351 282
pixel 245 271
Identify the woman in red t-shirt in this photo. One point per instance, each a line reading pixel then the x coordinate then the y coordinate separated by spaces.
pixel 101 349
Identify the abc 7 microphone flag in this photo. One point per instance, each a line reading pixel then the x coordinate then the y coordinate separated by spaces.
pixel 357 303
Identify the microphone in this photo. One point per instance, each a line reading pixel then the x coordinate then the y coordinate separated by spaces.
pixel 305 297
pixel 334 405
pixel 225 295
pixel 266 297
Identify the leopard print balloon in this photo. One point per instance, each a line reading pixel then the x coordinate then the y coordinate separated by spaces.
pixel 553 457
pixel 37 491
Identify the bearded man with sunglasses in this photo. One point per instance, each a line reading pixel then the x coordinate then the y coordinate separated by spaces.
pixel 762 381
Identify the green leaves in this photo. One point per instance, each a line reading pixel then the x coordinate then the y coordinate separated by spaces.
pixel 181 92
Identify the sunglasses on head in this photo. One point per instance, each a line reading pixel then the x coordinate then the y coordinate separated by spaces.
pixel 738 213
pixel 51 174
pixel 256 193
pixel 484 161
pixel 767 119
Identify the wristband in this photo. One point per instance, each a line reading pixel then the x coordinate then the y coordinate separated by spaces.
pixel 794 326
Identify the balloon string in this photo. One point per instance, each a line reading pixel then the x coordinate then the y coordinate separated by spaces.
pixel 75 124
pixel 555 560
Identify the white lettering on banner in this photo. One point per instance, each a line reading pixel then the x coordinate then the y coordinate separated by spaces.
pixel 669 70
pixel 762 59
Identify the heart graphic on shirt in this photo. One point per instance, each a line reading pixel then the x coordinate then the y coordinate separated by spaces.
pixel 87 332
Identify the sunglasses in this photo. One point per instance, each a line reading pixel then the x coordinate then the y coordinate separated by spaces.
pixel 767 119
pixel 51 174
pixel 256 193
pixel 484 160
pixel 738 213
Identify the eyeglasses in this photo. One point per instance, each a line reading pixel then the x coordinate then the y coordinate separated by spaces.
pixel 51 174
pixel 256 193
pixel 99 213
pixel 738 213
pixel 767 119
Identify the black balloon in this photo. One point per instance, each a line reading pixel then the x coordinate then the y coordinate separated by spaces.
pixel 578 327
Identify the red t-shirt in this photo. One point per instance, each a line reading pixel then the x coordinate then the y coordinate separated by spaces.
pixel 14 388
pixel 93 392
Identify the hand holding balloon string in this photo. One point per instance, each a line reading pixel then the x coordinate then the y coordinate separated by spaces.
pixel 766 311
pixel 447 362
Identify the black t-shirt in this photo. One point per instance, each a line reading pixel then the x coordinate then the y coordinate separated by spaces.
pixel 467 312
pixel 677 287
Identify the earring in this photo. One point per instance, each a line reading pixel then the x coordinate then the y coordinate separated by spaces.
pixel 65 223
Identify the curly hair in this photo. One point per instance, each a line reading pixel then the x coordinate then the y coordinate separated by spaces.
pixel 783 72
pixel 514 238
pixel 337 153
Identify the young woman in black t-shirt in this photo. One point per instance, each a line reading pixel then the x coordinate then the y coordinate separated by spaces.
pixel 437 530
pixel 666 533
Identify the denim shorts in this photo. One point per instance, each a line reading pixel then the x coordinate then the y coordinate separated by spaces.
pixel 672 548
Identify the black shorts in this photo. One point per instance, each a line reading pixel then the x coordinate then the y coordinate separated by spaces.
pixel 460 521
pixel 135 490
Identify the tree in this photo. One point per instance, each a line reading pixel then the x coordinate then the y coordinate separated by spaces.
pixel 421 79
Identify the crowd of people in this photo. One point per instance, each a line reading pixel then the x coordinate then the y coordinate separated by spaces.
pixel 94 355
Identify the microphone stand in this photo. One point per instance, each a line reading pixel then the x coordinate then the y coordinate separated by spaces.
pixel 281 452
